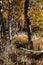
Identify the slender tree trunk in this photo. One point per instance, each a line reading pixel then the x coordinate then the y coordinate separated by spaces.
pixel 3 33
pixel 28 23
pixel 29 29
pixel 2 21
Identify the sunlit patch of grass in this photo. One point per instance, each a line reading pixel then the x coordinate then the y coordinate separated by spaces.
pixel 21 37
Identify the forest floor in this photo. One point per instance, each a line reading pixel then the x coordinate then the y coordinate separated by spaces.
pixel 13 56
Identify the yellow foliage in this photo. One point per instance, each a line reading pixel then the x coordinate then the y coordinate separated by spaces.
pixel 5 14
pixel 35 13
pixel 22 17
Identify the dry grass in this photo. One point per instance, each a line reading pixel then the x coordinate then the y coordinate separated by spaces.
pixel 11 51
pixel 20 37
pixel 37 43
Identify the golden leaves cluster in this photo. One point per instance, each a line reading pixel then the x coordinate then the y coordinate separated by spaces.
pixel 35 11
